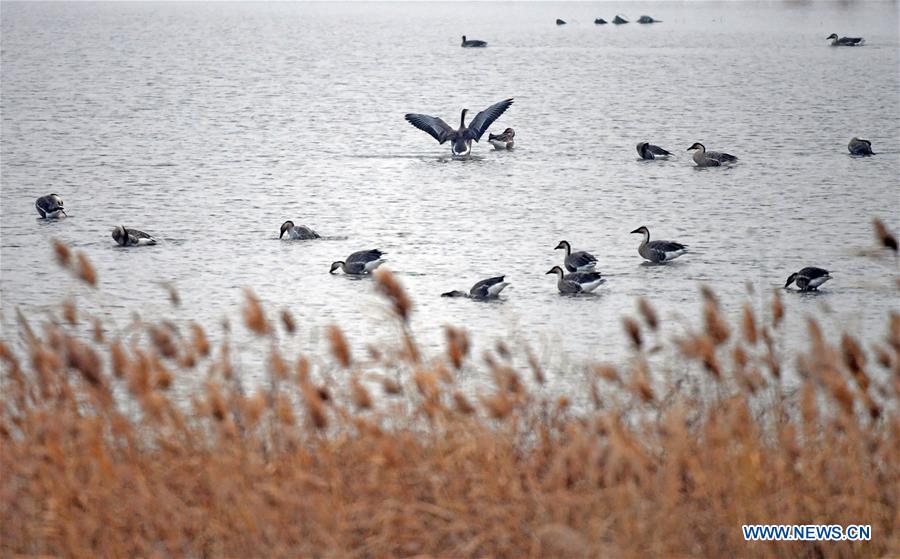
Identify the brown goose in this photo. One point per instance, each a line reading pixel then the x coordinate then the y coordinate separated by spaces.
pixel 461 139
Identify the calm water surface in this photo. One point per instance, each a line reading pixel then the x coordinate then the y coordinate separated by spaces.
pixel 207 125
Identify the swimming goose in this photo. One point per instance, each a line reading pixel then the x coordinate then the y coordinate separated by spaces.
pixel 576 282
pixel 297 232
pixel 504 140
pixel 472 43
pixel 808 279
pixel 858 146
pixel 649 151
pixel 50 206
pixel 705 158
pixel 647 19
pixel 460 140
pixel 658 251
pixel 359 263
pixel 580 261
pixel 845 41
pixel 485 289
pixel 560 22
pixel 600 21
pixel 131 237
pixel 620 20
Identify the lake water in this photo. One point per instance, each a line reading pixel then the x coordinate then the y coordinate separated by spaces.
pixel 209 124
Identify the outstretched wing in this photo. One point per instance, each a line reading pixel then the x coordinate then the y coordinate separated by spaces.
pixel 438 129
pixel 485 118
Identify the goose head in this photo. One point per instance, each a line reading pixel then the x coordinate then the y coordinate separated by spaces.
pixel 335 266
pixel 791 279
pixel 509 133
pixel 555 270
pixel 832 36
pixel 697 145
pixel 285 227
pixel 565 245
pixel 642 230
pixel 57 200
pixel 120 234
pixel 464 38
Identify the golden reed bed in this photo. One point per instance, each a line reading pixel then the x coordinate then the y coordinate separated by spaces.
pixel 392 458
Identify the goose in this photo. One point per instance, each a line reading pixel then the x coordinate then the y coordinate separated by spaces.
pixel 579 261
pixel 472 43
pixel 858 146
pixel 845 41
pixel 504 140
pixel 647 19
pixel 658 251
pixel 620 20
pixel 808 279
pixel 705 158
pixel 485 289
pixel 50 206
pixel 649 151
pixel 600 21
pixel 297 232
pixel 576 282
pixel 560 22
pixel 131 237
pixel 460 140
pixel 359 263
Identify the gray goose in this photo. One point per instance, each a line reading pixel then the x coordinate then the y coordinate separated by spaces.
pixel 359 263
pixel 579 261
pixel 472 43
pixel 461 139
pixel 705 158
pixel 845 41
pixel 297 232
pixel 808 279
pixel 619 20
pixel 50 206
pixel 131 237
pixel 485 289
pixel 858 146
pixel 504 140
pixel 647 19
pixel 648 151
pixel 658 251
pixel 576 282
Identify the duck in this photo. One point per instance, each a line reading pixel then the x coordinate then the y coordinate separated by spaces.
pixel 472 43
pixel 560 22
pixel 359 263
pixel 50 206
pixel 647 19
pixel 858 146
pixel 649 151
pixel 600 21
pixel 619 20
pixel 705 158
pixel 504 140
pixel 461 139
pixel 845 41
pixel 579 261
pixel 485 289
pixel 297 232
pixel 131 237
pixel 808 279
pixel 658 251
pixel 576 282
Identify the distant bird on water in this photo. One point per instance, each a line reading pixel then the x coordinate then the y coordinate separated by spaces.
pixel 485 289
pixel 504 140
pixel 579 261
pixel 705 158
pixel 808 279
pixel 858 146
pixel 600 21
pixel 576 282
pixel 560 22
pixel 647 19
pixel 359 263
pixel 620 20
pixel 845 41
pixel 50 206
pixel 297 232
pixel 649 151
pixel 131 237
pixel 472 43
pixel 461 139
pixel 658 251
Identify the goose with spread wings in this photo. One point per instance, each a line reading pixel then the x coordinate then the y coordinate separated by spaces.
pixel 461 139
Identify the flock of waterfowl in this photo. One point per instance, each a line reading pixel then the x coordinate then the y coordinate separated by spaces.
pixel 578 274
